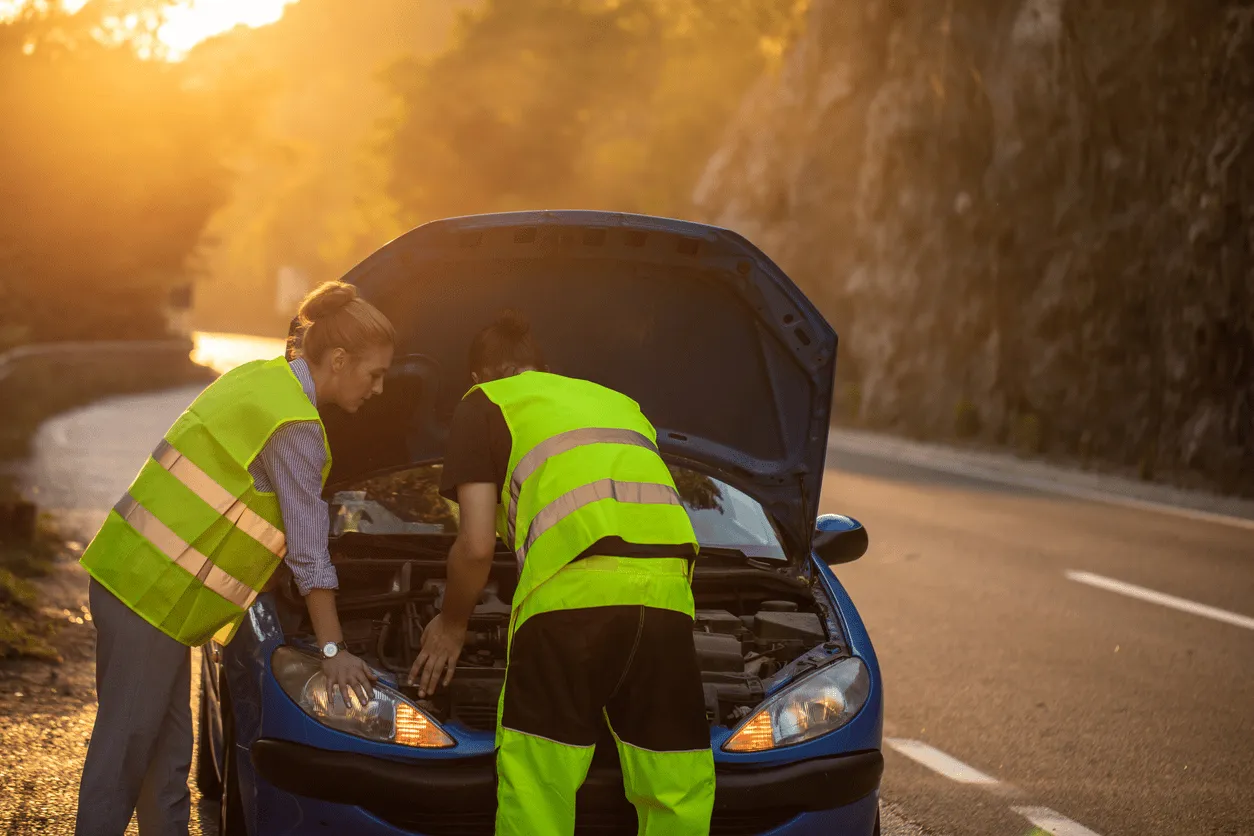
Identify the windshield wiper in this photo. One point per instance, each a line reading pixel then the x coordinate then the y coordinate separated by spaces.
pixel 721 551
pixel 753 556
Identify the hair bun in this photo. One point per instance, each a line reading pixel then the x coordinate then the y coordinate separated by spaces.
pixel 513 325
pixel 326 299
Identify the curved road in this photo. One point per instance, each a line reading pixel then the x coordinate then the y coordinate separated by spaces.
pixel 1017 695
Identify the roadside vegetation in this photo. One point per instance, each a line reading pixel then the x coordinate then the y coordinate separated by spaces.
pixel 25 631
pixel 111 167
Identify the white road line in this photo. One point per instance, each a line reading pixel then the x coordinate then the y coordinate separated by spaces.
pixel 1051 822
pixel 934 759
pixel 938 761
pixel 1182 604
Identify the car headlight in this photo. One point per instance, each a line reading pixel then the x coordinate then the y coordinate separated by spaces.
pixel 822 702
pixel 388 717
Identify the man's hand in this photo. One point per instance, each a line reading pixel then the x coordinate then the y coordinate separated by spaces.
pixel 469 563
pixel 441 646
pixel 346 673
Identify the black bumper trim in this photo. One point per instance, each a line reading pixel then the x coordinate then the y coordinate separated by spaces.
pixel 449 786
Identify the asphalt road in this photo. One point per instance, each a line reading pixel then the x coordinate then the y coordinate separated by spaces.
pixel 1125 716
pixel 1092 711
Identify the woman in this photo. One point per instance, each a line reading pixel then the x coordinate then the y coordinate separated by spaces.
pixel 233 490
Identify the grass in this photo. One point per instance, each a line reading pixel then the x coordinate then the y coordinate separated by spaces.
pixel 24 632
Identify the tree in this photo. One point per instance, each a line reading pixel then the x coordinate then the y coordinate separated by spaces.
pixel 110 167
pixel 611 104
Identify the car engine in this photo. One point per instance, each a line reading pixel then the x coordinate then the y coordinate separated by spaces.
pixel 742 635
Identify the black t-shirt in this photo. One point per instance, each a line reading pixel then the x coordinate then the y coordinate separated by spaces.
pixel 478 445
pixel 478 450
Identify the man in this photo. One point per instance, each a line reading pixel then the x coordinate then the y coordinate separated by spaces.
pixel 568 473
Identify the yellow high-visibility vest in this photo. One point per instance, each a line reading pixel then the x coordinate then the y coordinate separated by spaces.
pixel 192 541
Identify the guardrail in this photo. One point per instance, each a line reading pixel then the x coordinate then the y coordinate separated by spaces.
pixel 9 360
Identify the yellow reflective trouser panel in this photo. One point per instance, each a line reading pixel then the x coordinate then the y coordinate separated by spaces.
pixel 536 784
pixel 629 664
pixel 673 792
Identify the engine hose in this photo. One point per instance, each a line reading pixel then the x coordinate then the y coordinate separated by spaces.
pixel 385 630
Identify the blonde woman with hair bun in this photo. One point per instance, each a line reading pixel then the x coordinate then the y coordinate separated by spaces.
pixel 232 491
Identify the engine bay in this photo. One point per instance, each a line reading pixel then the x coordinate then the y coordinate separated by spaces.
pixel 750 624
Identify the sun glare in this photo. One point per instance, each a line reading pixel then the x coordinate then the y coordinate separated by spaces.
pixel 184 23
pixel 192 21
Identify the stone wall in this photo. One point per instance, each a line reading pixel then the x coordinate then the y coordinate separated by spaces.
pixel 1031 221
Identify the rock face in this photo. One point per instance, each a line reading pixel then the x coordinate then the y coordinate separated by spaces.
pixel 1031 221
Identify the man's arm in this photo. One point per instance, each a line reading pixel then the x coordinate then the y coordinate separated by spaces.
pixel 469 564
pixel 470 559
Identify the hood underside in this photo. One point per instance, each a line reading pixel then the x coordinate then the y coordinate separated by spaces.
pixel 724 354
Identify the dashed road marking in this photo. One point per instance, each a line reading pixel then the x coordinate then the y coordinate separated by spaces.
pixel 937 761
pixel 1161 598
pixel 1054 823
pixel 934 759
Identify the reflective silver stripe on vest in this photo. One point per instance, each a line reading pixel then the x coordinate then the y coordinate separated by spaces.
pixel 181 553
pixel 636 493
pixel 556 445
pixel 220 499
pixel 195 479
pixel 230 587
pixel 257 527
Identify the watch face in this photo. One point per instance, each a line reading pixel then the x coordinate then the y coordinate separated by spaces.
pixel 330 649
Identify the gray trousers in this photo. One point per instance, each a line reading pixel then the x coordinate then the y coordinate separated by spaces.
pixel 141 745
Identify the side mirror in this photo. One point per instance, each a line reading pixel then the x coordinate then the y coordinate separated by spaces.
pixel 839 539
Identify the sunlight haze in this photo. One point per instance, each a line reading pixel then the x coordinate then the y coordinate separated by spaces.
pixel 184 23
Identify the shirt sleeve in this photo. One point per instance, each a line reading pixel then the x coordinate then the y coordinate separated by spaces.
pixel 473 452
pixel 294 457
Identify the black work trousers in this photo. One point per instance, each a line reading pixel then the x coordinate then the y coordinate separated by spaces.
pixel 573 671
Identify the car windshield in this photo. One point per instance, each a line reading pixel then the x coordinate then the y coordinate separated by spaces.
pixel 408 502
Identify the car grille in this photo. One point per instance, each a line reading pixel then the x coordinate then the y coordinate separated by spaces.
pixel 477 717
pixel 618 822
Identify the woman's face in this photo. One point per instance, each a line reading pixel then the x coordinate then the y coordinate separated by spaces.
pixel 353 379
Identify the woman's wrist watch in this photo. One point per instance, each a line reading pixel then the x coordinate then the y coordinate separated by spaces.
pixel 331 649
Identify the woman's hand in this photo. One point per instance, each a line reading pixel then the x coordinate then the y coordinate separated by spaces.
pixel 441 646
pixel 346 673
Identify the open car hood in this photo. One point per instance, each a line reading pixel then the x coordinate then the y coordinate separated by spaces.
pixel 724 354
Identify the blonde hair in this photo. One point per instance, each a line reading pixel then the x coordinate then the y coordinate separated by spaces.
pixel 332 316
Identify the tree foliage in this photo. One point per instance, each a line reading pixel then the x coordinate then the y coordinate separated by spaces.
pixel 611 104
pixel 110 166
pixel 309 198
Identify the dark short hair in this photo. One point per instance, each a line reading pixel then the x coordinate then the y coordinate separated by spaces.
pixel 506 342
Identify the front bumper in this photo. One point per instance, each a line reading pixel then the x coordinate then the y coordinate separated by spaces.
pixel 459 796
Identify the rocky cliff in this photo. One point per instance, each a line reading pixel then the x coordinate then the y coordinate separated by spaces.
pixel 1032 221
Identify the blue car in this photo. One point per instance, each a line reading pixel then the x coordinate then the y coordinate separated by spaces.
pixel 734 366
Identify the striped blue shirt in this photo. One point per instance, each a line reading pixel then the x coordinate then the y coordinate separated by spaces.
pixel 290 465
